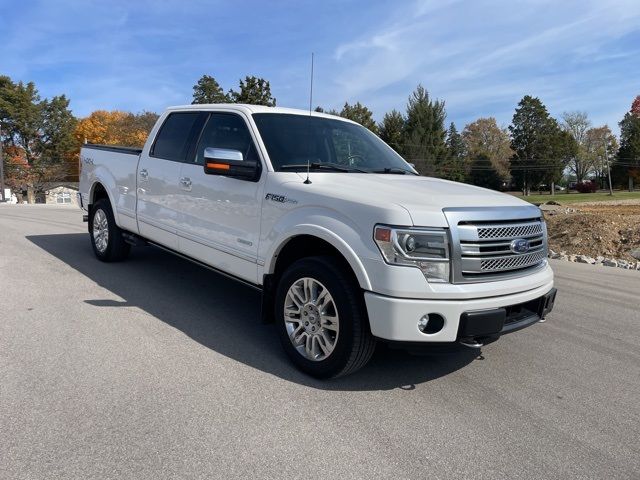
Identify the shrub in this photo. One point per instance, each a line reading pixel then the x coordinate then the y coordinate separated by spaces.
pixel 587 187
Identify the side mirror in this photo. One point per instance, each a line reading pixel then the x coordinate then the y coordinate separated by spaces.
pixel 230 163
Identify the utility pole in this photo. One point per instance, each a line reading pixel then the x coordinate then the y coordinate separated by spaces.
pixel 1 168
pixel 606 159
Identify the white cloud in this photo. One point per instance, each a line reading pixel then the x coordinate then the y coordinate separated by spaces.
pixel 477 55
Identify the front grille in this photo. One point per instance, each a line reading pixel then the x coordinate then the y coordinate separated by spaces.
pixel 512 262
pixel 482 242
pixel 492 233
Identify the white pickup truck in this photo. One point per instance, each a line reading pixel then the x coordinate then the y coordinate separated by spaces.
pixel 348 244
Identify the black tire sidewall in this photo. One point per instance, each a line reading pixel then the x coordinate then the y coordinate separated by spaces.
pixel 346 297
pixel 105 206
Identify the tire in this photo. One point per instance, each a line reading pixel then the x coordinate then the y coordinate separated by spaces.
pixel 109 246
pixel 343 341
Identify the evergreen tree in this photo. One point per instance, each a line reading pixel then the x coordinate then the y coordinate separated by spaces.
pixel 21 116
pixel 391 130
pixel 453 167
pixel 424 131
pixel 536 144
pixel 208 90
pixel 57 141
pixel 483 173
pixel 627 166
pixel 360 114
pixel 39 133
pixel 254 91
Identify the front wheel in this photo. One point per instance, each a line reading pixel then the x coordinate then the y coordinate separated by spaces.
pixel 106 237
pixel 321 318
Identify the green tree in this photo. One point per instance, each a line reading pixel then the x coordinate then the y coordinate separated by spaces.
pixel 536 143
pixel 424 131
pixel 57 140
pixel 39 133
pixel 627 166
pixel 485 137
pixel 254 91
pixel 360 114
pixel 483 173
pixel 21 116
pixel 564 148
pixel 391 129
pixel 453 166
pixel 208 90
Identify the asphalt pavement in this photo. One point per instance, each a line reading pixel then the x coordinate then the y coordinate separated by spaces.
pixel 157 368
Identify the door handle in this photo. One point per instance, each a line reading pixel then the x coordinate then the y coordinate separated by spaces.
pixel 186 183
pixel 144 174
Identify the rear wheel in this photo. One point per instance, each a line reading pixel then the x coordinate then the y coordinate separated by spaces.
pixel 321 318
pixel 106 237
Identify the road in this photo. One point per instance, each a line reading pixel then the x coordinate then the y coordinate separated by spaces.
pixel 157 368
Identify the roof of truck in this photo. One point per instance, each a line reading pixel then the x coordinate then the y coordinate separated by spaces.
pixel 250 109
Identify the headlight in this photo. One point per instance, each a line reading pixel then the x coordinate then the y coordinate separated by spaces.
pixel 426 249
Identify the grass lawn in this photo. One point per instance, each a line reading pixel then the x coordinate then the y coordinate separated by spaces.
pixel 564 198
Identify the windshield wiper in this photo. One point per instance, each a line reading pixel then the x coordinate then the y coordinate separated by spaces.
pixel 395 170
pixel 322 166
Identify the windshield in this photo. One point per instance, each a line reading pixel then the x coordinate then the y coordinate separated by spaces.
pixel 293 141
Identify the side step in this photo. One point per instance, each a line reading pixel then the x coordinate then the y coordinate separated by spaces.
pixel 134 240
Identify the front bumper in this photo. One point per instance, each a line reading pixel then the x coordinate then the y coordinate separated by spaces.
pixel 397 319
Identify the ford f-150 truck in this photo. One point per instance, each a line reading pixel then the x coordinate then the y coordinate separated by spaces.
pixel 348 244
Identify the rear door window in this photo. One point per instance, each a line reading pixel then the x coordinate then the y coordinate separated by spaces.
pixel 173 139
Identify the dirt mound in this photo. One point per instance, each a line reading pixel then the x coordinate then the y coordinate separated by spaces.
pixel 607 230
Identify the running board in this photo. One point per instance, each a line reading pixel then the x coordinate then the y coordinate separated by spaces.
pixel 134 240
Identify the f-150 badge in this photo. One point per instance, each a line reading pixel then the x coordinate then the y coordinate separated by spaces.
pixel 279 198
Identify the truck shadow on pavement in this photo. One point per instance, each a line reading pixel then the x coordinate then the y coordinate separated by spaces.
pixel 224 315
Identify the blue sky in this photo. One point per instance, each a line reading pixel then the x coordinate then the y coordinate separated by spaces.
pixel 481 57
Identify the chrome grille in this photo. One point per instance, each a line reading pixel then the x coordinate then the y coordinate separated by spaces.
pixel 492 233
pixel 509 263
pixel 482 242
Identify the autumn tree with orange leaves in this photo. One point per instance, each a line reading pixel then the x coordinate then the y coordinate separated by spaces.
pixel 115 128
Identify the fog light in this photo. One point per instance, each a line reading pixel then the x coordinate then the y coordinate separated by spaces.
pixel 431 323
pixel 423 322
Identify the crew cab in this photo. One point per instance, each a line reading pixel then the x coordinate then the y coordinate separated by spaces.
pixel 348 244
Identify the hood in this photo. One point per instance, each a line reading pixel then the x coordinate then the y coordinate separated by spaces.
pixel 423 197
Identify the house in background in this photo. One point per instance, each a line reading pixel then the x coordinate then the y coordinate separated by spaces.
pixel 59 194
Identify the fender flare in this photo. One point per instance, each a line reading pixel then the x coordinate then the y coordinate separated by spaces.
pixel 108 186
pixel 328 236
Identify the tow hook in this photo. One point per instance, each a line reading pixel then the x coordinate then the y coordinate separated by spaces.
pixel 470 342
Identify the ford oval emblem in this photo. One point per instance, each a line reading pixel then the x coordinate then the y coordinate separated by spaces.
pixel 520 245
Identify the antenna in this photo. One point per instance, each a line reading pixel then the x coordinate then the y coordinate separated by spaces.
pixel 311 89
pixel 308 181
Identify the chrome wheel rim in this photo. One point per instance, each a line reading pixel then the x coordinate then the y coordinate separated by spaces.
pixel 100 231
pixel 311 318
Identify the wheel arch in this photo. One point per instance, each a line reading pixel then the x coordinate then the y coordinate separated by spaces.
pixel 97 192
pixel 310 241
pixel 307 242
